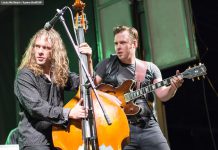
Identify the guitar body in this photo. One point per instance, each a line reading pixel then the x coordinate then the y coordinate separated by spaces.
pixel 129 107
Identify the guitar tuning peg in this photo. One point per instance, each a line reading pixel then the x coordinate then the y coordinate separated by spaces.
pixel 198 78
pixel 193 79
pixel 203 77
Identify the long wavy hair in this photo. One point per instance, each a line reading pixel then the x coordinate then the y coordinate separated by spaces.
pixel 59 61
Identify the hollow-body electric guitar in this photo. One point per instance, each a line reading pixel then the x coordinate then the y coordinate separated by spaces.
pixel 126 95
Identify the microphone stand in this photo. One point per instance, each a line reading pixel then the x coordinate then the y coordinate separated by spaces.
pixel 89 120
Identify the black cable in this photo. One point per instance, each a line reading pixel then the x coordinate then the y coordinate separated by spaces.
pixel 203 84
pixel 208 117
pixel 211 85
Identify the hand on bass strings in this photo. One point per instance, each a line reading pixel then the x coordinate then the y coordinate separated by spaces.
pixel 84 48
pixel 78 111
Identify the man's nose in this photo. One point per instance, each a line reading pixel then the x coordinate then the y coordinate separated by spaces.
pixel 118 46
pixel 41 49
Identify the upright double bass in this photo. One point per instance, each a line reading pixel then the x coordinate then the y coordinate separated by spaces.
pixel 95 132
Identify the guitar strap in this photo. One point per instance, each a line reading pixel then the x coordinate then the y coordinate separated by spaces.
pixel 140 72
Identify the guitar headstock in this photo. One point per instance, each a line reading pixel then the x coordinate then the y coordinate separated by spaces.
pixel 195 71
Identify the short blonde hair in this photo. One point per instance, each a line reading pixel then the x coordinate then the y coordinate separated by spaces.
pixel 132 31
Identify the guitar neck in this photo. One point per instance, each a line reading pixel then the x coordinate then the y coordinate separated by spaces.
pixel 150 88
pixel 189 73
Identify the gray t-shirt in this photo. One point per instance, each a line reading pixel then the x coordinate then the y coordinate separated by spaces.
pixel 125 72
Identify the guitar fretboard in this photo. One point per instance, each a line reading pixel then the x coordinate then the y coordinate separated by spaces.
pixel 188 73
pixel 137 93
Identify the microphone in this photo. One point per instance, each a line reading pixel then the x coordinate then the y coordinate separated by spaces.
pixel 48 25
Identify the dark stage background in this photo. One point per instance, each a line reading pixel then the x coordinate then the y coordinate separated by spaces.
pixel 191 115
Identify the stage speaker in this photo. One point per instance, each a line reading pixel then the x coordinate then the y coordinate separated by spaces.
pixel 110 13
pixel 170 32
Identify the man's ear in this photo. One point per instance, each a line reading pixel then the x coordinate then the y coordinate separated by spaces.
pixel 135 43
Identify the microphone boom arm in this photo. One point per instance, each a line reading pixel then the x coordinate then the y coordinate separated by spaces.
pixel 48 25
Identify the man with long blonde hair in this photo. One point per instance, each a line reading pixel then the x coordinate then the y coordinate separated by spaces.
pixel 42 77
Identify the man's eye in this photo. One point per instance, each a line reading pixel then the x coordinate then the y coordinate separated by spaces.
pixel 37 46
pixel 48 48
